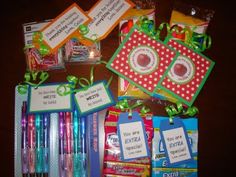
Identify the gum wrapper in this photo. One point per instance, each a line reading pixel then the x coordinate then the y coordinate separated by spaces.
pixel 159 159
pixel 77 52
pixel 125 89
pixel 112 159
pixel 191 17
pixel 35 61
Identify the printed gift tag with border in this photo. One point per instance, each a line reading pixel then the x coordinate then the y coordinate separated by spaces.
pixel 45 98
pixel 187 74
pixel 93 98
pixel 142 60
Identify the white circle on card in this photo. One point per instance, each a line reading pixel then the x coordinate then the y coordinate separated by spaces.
pixel 143 59
pixel 182 70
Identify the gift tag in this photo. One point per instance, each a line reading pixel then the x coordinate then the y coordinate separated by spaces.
pixel 175 142
pixel 105 16
pixel 132 136
pixel 188 73
pixel 141 60
pixel 93 98
pixel 56 33
pixel 44 98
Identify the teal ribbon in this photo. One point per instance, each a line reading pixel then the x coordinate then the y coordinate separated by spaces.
pixel 123 105
pixel 29 77
pixel 173 111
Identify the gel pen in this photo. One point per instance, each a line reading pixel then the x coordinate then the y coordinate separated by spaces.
pixel 62 169
pixel 31 140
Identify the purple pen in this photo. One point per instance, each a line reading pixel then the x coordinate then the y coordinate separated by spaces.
pixel 24 152
pixel 62 169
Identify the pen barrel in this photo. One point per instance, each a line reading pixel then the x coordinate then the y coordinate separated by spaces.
pixel 45 160
pixel 31 157
pixel 69 165
pixel 84 165
pixel 39 160
pixel 62 169
pixel 77 164
pixel 24 161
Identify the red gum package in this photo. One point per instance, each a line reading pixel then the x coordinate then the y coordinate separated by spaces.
pixel 113 165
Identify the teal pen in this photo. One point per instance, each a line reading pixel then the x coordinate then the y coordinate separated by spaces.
pixel 38 145
pixel 83 146
pixel 77 145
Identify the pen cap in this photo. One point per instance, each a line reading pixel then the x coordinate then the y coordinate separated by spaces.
pixel 31 130
pixel 61 124
pixel 23 112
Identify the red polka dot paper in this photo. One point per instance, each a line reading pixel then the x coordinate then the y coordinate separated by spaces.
pixel 201 67
pixel 122 64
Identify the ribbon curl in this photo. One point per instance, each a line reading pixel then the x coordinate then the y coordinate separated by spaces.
pixel 29 77
pixel 179 110
pixel 39 44
pixel 123 105
pixel 199 42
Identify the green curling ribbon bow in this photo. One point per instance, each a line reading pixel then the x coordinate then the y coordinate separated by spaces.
pixel 178 110
pixel 148 27
pixel 39 44
pixel 83 29
pixel 123 105
pixel 29 77
pixel 198 42
pixel 65 89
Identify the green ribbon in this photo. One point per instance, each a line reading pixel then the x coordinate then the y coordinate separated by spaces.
pixel 29 77
pixel 83 29
pixel 65 89
pixel 123 105
pixel 147 26
pixel 178 110
pixel 39 44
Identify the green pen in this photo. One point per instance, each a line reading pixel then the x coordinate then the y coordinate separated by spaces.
pixel 77 146
pixel 38 145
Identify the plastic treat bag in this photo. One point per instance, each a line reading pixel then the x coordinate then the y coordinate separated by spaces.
pixel 194 18
pixel 159 159
pixel 113 165
pixel 143 9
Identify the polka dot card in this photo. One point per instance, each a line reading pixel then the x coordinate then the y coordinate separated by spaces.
pixel 187 74
pixel 141 60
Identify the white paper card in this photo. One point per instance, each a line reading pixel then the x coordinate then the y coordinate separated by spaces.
pixel 176 145
pixel 133 140
pixel 64 26
pixel 45 98
pixel 105 15
pixel 93 98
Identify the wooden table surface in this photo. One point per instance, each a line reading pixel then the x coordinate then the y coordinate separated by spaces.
pixel 216 100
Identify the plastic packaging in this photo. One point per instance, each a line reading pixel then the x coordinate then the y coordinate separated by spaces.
pixel 35 61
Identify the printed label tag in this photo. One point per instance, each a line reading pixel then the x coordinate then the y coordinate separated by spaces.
pixel 93 99
pixel 175 142
pixel 132 137
pixel 45 99
pixel 64 26
pixel 105 16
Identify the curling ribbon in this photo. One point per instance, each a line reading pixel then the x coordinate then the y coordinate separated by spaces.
pixel 123 105
pixel 29 77
pixel 172 111
pixel 65 89
pixel 39 44
pixel 199 42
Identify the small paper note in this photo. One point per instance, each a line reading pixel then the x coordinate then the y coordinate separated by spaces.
pixel 175 141
pixel 93 98
pixel 105 16
pixel 45 98
pixel 62 27
pixel 132 137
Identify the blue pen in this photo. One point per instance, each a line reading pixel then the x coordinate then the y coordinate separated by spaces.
pixel 39 142
pixel 77 145
pixel 83 146
pixel 46 125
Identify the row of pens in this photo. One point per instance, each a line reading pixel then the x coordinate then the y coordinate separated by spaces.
pixel 35 130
